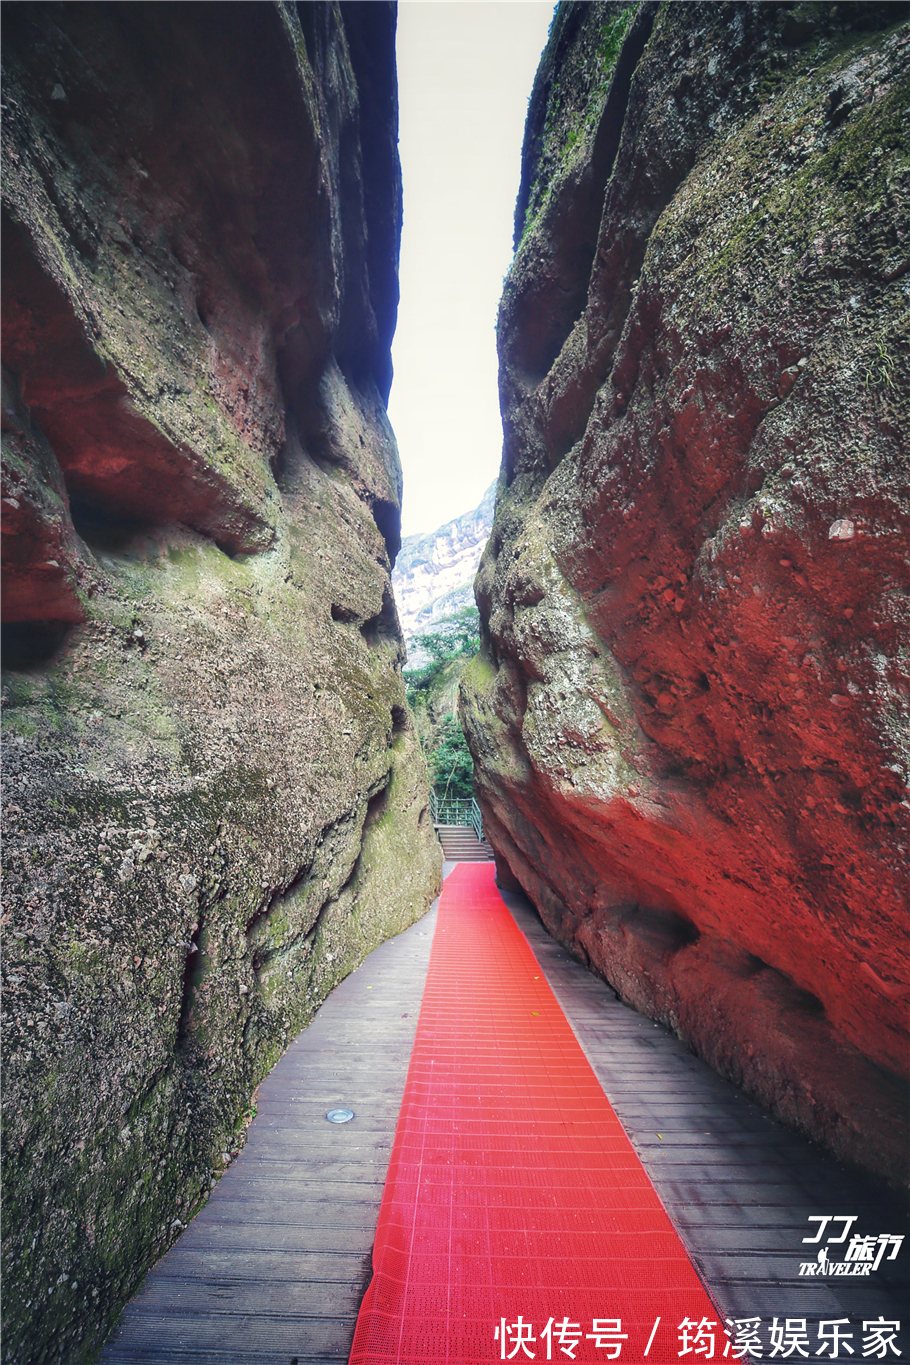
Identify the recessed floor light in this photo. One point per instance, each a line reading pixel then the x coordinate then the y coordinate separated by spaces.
pixel 340 1115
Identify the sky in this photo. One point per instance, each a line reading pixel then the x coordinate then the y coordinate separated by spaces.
pixel 465 71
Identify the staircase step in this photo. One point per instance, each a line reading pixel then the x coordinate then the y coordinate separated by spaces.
pixel 461 845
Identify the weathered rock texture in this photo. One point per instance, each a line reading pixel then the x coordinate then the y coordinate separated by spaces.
pixel 689 718
pixel 215 804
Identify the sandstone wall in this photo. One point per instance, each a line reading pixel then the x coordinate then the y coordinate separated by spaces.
pixel 689 718
pixel 215 802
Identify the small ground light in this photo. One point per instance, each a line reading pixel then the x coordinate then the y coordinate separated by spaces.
pixel 340 1115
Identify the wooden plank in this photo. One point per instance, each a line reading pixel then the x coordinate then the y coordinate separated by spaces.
pixel 715 1155
pixel 273 1237
pixel 284 1163
pixel 740 1238
pixel 263 1264
pixel 265 1297
pixel 309 1214
pixel 248 1335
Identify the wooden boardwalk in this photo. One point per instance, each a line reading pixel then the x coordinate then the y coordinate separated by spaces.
pixel 273 1268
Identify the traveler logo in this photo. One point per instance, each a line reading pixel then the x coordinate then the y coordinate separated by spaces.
pixel 862 1256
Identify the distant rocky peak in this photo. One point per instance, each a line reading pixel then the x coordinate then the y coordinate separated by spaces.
pixel 434 573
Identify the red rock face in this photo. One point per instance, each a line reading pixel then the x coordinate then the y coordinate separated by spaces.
pixel 689 725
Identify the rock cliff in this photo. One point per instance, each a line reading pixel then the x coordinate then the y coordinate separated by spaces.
pixel 434 573
pixel 215 802
pixel 689 716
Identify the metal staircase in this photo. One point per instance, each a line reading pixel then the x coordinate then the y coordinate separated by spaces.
pixel 461 845
pixel 459 825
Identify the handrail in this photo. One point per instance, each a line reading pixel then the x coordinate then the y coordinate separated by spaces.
pixel 457 811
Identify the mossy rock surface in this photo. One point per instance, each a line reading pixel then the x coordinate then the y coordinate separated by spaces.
pixel 215 802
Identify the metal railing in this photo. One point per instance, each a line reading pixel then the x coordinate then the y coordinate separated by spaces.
pixel 457 811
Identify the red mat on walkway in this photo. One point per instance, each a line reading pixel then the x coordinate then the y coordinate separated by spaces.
pixel 517 1221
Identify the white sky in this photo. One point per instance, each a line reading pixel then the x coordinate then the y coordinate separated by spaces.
pixel 465 71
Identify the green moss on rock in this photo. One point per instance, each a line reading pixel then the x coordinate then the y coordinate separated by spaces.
pixel 215 803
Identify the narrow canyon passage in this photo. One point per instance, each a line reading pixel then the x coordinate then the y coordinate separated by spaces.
pixel 663 664
pixel 274 1266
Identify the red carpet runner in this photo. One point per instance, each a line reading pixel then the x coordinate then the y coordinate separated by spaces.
pixel 517 1221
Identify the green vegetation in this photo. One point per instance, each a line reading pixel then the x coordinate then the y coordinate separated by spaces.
pixel 456 637
pixel 452 768
pixel 432 693
pixel 575 106
pixel 612 34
